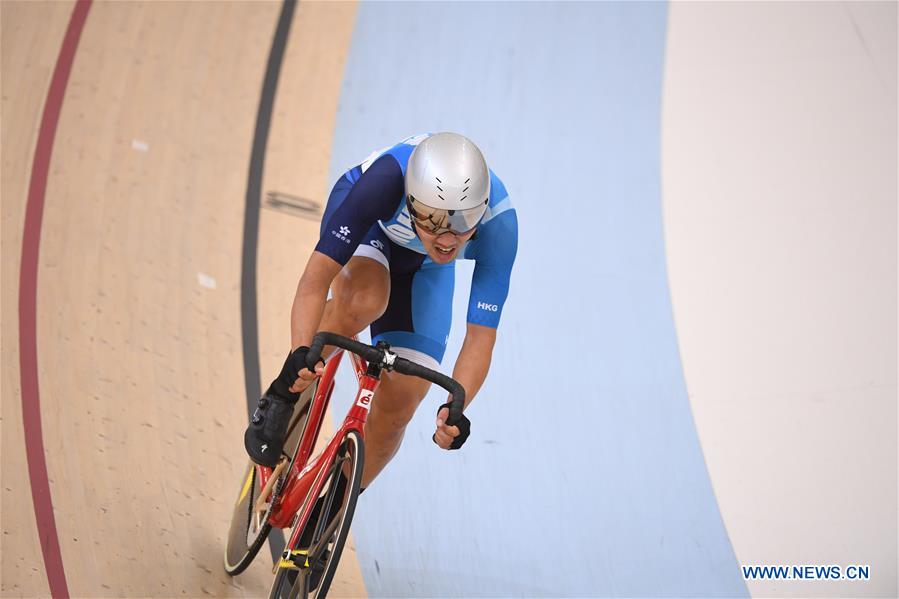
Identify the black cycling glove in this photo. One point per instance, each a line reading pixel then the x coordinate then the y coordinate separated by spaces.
pixel 295 362
pixel 464 429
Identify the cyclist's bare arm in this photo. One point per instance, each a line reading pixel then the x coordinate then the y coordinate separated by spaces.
pixel 471 370
pixel 473 362
pixel 311 297
pixel 308 307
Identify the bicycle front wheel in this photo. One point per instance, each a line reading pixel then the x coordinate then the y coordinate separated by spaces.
pixel 250 528
pixel 308 571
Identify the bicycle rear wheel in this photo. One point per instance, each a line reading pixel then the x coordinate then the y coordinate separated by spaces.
pixel 308 572
pixel 249 529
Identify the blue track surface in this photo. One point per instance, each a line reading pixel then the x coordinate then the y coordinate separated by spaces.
pixel 584 475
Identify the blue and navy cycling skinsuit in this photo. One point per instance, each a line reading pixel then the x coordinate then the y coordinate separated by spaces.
pixel 367 216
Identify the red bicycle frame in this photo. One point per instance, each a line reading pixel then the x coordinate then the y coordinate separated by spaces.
pixel 305 481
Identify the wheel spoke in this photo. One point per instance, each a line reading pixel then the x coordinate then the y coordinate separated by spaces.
pixel 333 473
pixel 300 586
pixel 318 547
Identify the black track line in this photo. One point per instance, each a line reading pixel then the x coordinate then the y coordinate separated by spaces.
pixel 248 308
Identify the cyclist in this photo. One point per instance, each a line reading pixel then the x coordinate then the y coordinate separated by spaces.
pixel 392 230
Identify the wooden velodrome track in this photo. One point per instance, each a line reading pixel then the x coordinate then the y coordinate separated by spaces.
pixel 139 359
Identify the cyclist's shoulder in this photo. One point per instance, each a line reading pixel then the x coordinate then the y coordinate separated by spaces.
pixel 497 237
pixel 498 205
pixel 400 152
pixel 499 196
pixel 496 241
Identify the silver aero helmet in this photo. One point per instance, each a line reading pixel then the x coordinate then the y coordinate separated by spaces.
pixel 447 184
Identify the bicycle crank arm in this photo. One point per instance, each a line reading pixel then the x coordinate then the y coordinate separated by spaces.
pixel 262 502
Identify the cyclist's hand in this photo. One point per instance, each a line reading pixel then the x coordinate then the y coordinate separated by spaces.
pixel 450 437
pixel 306 378
pixel 445 434
pixel 295 376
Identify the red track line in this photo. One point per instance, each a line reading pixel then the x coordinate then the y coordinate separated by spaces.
pixel 31 240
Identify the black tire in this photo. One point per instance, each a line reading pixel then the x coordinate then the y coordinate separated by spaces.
pixel 329 537
pixel 247 534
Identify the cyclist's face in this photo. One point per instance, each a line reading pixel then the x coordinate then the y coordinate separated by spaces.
pixel 443 248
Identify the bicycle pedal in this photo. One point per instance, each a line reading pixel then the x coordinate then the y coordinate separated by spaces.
pixel 297 559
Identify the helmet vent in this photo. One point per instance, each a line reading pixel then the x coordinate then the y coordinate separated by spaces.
pixel 463 197
pixel 467 180
pixel 463 191
pixel 439 181
pixel 441 197
pixel 440 188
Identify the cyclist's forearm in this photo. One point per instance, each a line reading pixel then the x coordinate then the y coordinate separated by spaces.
pixel 306 314
pixel 473 362
pixel 310 299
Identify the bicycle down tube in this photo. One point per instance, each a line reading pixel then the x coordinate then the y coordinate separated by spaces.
pixel 310 480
